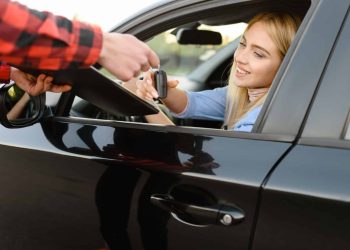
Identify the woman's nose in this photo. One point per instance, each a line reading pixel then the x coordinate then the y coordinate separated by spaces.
pixel 241 56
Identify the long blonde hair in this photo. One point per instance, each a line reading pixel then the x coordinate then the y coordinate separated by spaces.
pixel 281 27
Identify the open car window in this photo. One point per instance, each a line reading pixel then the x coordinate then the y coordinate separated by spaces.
pixel 197 66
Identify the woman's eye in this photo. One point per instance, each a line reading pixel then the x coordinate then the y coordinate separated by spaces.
pixel 242 44
pixel 259 55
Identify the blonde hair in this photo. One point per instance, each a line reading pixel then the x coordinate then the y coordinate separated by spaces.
pixel 281 27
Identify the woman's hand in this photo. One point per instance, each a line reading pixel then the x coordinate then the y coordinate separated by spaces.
pixel 36 86
pixel 145 87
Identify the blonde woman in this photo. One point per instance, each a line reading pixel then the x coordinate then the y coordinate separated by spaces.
pixel 261 50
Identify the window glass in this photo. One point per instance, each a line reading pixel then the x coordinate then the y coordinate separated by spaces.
pixel 180 60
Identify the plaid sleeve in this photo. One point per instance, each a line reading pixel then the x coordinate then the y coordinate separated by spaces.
pixel 5 71
pixel 41 40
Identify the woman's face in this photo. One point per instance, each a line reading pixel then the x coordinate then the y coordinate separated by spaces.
pixel 256 59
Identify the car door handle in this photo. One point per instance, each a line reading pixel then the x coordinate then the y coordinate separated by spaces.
pixel 199 215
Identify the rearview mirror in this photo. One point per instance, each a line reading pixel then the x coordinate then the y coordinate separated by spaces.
pixel 18 108
pixel 198 37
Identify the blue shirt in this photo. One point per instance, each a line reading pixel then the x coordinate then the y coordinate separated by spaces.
pixel 211 104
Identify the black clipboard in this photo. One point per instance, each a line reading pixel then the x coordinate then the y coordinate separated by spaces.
pixel 103 92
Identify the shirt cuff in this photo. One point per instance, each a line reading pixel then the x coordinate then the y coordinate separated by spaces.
pixel 87 44
pixel 5 71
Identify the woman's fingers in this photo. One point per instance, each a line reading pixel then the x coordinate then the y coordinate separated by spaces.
pixel 149 97
pixel 141 88
pixel 150 88
pixel 172 83
pixel 145 88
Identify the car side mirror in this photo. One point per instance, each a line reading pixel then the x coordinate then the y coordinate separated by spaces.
pixel 19 109
pixel 198 37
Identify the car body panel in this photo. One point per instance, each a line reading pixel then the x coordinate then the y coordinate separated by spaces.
pixel 211 171
pixel 175 160
pixel 305 203
pixel 47 197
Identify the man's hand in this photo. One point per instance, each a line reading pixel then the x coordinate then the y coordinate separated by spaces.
pixel 125 56
pixel 36 86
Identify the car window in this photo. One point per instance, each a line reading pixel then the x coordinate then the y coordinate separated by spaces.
pixel 197 67
pixel 182 62
pixel 329 116
pixel 181 59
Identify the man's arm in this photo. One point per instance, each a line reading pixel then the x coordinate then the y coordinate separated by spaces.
pixel 42 40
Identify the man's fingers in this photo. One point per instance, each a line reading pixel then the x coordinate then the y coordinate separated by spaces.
pixel 30 77
pixel 153 59
pixel 38 87
pixel 60 88
pixel 145 67
pixel 48 79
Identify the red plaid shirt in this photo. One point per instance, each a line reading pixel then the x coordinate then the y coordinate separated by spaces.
pixel 41 40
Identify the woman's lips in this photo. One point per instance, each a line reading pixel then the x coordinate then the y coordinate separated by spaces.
pixel 241 72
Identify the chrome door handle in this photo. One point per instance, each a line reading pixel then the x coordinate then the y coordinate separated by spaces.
pixel 200 215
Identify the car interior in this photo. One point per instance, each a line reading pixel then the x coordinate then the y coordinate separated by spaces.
pixel 197 52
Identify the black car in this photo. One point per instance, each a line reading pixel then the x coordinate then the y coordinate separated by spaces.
pixel 87 172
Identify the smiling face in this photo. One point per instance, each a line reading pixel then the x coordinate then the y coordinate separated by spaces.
pixel 256 59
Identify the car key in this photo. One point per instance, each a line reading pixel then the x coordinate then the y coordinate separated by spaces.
pixel 161 83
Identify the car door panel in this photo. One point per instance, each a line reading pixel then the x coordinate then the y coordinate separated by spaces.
pixel 305 203
pixel 193 168
pixel 47 196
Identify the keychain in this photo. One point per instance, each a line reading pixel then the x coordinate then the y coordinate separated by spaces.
pixel 161 83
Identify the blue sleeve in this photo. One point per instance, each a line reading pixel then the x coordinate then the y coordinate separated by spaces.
pixel 247 122
pixel 207 104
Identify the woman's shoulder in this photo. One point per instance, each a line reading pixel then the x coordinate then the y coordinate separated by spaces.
pixel 247 122
pixel 255 111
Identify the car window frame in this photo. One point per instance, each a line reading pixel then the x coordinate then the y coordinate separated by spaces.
pixel 328 119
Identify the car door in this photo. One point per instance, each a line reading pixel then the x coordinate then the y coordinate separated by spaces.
pixel 47 195
pixel 305 202
pixel 189 188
